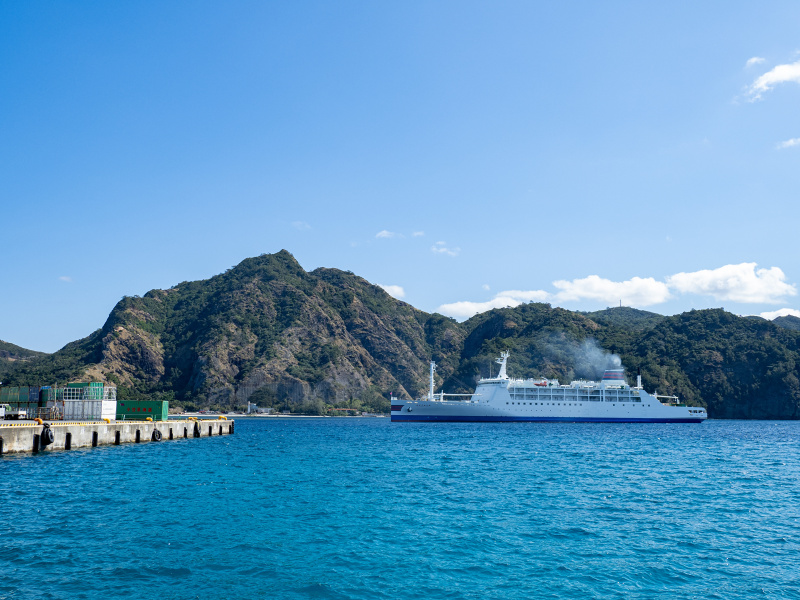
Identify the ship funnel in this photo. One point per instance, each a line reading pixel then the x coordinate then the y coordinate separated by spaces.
pixel 614 376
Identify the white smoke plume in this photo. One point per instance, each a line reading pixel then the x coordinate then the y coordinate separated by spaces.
pixel 588 359
pixel 591 360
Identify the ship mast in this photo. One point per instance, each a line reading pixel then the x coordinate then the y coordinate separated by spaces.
pixel 502 362
pixel 433 370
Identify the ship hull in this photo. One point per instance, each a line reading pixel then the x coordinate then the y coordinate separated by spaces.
pixel 495 419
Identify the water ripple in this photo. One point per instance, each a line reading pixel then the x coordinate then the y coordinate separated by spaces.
pixel 365 509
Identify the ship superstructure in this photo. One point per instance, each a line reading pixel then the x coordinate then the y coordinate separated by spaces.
pixel 501 398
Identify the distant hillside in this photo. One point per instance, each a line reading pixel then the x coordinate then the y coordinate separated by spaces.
pixel 627 317
pixel 788 322
pixel 11 355
pixel 267 331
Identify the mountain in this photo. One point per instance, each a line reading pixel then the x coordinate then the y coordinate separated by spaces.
pixel 265 328
pixel 738 368
pixel 269 332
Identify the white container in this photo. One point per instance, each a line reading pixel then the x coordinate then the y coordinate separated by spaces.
pixel 109 410
pixel 83 410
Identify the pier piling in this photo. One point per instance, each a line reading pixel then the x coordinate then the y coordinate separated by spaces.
pixel 34 438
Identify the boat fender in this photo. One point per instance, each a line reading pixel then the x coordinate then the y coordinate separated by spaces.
pixel 157 435
pixel 47 437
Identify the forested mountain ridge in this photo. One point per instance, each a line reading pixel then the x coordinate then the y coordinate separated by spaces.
pixel 267 331
pixel 11 355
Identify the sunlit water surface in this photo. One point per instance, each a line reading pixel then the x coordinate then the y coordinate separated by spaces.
pixel 366 509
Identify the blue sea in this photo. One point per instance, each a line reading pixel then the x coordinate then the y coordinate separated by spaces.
pixel 367 509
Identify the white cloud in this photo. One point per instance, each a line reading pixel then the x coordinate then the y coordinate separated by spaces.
pixel 789 143
pixel 525 296
pixel 464 310
pixel 385 234
pixel 781 312
pixel 509 298
pixel 780 74
pixel 65 278
pixel 418 234
pixel 395 291
pixel 756 60
pixel 637 291
pixel 486 287
pixel 441 248
pixel 301 225
pixel 735 283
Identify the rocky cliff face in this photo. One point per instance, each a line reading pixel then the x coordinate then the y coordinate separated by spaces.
pixel 269 325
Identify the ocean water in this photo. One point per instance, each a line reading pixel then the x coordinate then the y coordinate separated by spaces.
pixel 368 509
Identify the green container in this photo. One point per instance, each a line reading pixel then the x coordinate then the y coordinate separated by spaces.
pixel 23 393
pixel 139 410
pixel 80 384
pixel 4 394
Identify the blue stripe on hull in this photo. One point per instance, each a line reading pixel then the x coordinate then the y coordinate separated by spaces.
pixel 453 419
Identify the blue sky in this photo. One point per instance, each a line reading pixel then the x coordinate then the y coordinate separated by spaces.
pixel 468 154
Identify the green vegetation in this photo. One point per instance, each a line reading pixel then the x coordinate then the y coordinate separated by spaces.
pixel 12 356
pixel 329 342
pixel 60 367
pixel 788 322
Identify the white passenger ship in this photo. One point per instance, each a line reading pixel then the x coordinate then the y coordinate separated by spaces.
pixel 503 399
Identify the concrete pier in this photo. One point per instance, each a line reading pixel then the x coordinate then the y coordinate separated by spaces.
pixel 33 437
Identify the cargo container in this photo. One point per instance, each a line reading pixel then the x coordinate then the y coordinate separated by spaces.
pixel 46 395
pixel 76 401
pixel 88 391
pixel 83 410
pixel 141 409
